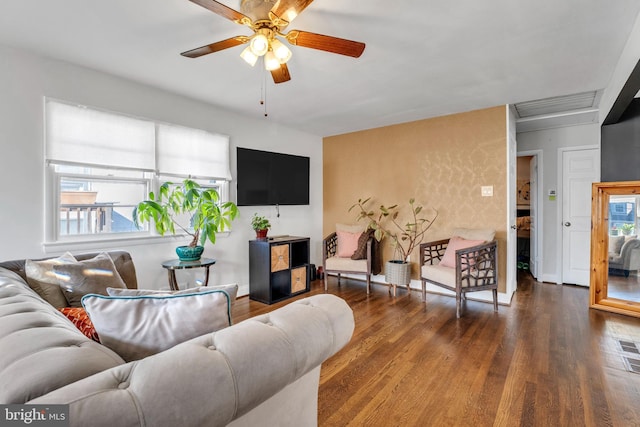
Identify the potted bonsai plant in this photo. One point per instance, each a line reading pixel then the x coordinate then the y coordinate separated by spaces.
pixel 261 225
pixel 206 216
pixel 405 234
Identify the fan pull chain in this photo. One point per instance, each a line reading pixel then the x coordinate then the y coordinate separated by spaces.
pixel 263 91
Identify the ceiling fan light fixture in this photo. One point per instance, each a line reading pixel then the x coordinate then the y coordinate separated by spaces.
pixel 282 52
pixel 271 62
pixel 249 56
pixel 290 14
pixel 259 44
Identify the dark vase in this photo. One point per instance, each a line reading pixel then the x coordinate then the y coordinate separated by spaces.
pixel 261 234
pixel 189 253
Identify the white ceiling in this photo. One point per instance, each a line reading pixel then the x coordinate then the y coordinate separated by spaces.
pixel 423 58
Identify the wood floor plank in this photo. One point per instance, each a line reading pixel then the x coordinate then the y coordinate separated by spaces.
pixel 547 360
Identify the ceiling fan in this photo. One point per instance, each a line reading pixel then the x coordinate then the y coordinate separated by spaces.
pixel 267 19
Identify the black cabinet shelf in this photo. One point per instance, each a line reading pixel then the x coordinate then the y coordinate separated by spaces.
pixel 278 268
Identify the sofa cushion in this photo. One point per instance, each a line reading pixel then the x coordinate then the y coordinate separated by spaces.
pixel 231 290
pixel 139 326
pixel 346 264
pixel 41 349
pixel 91 276
pixel 447 275
pixel 456 243
pixel 615 244
pixel 485 234
pixel 356 228
pixel 42 279
pixel 439 273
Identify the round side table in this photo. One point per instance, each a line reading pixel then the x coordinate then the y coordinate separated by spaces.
pixel 175 264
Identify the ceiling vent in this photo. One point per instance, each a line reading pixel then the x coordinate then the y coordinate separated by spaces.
pixel 557 104
pixel 558 111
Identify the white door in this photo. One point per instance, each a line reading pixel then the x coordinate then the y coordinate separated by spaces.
pixel 580 168
pixel 533 233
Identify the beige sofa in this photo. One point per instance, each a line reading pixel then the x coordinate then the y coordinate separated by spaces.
pixel 263 371
pixel 624 254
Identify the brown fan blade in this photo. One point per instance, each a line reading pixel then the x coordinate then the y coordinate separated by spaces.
pixel 281 75
pixel 326 43
pixel 287 10
pixel 224 11
pixel 215 47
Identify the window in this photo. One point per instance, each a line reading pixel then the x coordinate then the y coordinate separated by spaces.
pixel 622 214
pixel 101 164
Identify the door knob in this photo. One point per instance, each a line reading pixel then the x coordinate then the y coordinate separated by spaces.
pixel 567 224
pixel 513 227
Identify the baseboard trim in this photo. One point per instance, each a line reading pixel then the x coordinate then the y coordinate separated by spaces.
pixel 551 278
pixel 504 298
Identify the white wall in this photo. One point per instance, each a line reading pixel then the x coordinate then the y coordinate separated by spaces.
pixel 549 141
pixel 628 60
pixel 25 80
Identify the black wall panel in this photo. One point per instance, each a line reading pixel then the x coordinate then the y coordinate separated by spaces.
pixel 620 147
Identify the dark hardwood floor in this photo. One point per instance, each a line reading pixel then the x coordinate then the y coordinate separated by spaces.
pixel 547 360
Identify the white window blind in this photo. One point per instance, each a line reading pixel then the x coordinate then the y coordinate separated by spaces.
pixel 186 151
pixel 85 136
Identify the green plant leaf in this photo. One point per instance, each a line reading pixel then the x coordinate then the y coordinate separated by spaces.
pixel 205 216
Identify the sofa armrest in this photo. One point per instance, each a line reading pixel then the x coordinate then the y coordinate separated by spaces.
pixel 432 252
pixel 329 246
pixel 213 379
pixel 477 265
pixel 632 262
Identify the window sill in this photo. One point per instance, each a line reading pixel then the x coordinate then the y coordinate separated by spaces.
pixel 116 242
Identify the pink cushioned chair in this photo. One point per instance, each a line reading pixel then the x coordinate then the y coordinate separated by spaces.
pixel 332 263
pixel 476 267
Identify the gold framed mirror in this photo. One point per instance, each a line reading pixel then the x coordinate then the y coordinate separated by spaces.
pixel 615 247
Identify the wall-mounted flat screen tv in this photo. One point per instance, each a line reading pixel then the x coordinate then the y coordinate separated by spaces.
pixel 266 178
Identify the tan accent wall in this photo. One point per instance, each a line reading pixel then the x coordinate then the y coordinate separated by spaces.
pixel 441 162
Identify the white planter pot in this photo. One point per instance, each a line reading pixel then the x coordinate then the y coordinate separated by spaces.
pixel 397 272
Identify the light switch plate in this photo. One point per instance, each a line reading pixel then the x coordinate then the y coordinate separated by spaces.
pixel 486 190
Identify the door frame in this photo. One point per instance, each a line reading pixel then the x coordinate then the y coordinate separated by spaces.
pixel 559 199
pixel 539 210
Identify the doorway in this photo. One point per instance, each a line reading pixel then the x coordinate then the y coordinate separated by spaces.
pixel 529 257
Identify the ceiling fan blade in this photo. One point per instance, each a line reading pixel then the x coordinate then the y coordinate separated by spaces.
pixel 215 47
pixel 287 10
pixel 281 75
pixel 224 11
pixel 326 43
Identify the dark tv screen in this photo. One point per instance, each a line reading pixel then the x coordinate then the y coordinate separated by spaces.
pixel 266 178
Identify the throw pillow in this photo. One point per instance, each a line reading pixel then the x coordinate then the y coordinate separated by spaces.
pixel 81 320
pixel 615 244
pixel 139 326
pixel 456 243
pixel 42 279
pixel 91 276
pixel 357 228
pixel 231 290
pixel 347 243
pixel 361 249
